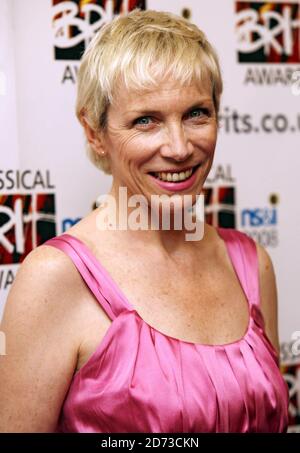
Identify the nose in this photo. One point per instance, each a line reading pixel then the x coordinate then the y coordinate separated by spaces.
pixel 176 145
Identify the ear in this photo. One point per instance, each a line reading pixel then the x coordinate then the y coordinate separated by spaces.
pixel 93 137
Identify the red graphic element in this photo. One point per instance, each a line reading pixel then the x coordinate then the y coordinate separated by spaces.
pixel 268 32
pixel 75 22
pixel 26 221
pixel 220 206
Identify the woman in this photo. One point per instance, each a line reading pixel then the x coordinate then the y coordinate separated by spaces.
pixel 126 330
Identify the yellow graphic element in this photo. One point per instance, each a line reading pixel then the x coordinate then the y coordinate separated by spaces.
pixel 85 2
pixel 267 7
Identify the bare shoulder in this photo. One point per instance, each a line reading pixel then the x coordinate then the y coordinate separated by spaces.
pixel 48 258
pixel 267 288
pixel 268 294
pixel 47 279
pixel 41 313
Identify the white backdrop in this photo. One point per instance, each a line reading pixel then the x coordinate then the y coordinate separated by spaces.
pixel 257 155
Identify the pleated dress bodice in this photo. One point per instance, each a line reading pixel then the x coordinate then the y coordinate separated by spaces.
pixel 141 380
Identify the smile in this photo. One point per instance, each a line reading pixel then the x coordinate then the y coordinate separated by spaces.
pixel 175 176
pixel 175 181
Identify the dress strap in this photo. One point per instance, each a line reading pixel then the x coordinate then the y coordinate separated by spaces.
pixel 243 253
pixel 92 272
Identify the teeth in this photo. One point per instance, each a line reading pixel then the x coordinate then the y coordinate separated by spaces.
pixel 174 177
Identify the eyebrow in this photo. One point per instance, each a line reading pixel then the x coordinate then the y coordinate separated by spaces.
pixel 197 104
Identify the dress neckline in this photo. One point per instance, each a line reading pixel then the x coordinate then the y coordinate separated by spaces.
pixel 112 283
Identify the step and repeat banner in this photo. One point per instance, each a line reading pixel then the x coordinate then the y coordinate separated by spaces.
pixel 47 183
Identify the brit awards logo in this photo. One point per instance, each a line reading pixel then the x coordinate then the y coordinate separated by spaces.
pixel 268 33
pixel 26 222
pixel 76 22
pixel 27 217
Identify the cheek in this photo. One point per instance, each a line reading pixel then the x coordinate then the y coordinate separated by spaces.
pixel 133 148
pixel 206 141
pixel 122 147
pixel 211 143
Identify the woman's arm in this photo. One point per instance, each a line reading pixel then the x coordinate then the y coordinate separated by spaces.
pixel 41 345
pixel 268 295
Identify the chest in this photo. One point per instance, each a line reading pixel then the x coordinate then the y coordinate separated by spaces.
pixel 187 300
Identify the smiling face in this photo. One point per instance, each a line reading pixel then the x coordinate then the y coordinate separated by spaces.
pixel 154 134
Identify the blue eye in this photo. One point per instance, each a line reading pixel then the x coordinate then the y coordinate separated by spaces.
pixel 198 112
pixel 143 120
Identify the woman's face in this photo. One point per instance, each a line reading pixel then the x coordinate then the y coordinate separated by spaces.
pixel 169 129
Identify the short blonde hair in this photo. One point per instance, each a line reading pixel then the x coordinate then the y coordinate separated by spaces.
pixel 140 49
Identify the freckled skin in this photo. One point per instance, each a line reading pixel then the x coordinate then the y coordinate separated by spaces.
pixel 138 142
pixel 58 314
pixel 172 138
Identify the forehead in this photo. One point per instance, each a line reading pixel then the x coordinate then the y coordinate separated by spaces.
pixel 167 95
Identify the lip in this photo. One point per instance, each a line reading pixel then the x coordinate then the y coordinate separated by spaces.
pixel 177 186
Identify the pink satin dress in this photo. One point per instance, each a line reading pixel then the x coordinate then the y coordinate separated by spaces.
pixel 141 380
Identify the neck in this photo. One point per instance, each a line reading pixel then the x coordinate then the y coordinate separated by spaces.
pixel 173 231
